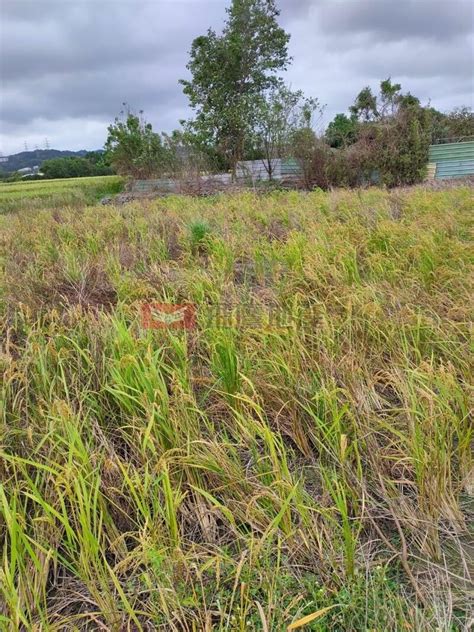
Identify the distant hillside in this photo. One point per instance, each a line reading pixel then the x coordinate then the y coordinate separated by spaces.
pixel 35 157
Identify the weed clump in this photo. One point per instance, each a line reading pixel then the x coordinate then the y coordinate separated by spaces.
pixel 199 232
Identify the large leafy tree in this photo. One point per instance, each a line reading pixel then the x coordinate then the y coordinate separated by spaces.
pixel 230 72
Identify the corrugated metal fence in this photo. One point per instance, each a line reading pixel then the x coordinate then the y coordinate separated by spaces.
pixel 247 172
pixel 446 160
pixel 280 168
pixel 451 160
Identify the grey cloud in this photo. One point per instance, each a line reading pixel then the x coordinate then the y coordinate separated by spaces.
pixel 82 60
pixel 399 19
pixel 145 87
pixel 67 66
pixel 418 61
pixel 291 9
pixel 94 36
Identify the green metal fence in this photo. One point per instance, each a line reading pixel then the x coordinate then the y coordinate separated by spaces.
pixel 452 160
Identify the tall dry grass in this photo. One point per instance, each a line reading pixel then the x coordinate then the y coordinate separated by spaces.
pixel 240 477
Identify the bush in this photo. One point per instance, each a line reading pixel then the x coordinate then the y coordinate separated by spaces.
pixel 135 149
pixel 398 148
pixel 392 152
pixel 311 155
pixel 324 167
pixel 74 167
pixel 387 138
pixel 346 167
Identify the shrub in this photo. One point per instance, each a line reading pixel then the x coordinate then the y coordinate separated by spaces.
pixel 74 167
pixel 398 147
pixel 135 149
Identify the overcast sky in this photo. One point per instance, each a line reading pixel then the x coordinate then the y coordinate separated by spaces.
pixel 67 65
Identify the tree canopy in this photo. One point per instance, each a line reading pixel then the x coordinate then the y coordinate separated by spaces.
pixel 341 131
pixel 134 148
pixel 231 72
pixel 92 164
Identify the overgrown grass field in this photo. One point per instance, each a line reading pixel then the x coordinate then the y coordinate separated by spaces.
pixel 303 461
pixel 27 194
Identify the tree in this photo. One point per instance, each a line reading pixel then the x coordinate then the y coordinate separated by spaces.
pixel 133 148
pixel 55 168
pixel 342 131
pixel 460 122
pixel 279 115
pixel 370 107
pixel 100 160
pixel 365 106
pixel 231 72
pixel 389 97
pixel 309 151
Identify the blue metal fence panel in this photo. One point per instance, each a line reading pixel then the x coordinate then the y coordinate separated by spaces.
pixel 454 169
